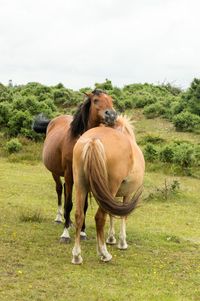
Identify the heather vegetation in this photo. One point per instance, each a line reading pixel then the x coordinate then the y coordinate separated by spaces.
pixel 19 104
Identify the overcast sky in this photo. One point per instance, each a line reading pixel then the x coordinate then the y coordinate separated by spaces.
pixel 80 42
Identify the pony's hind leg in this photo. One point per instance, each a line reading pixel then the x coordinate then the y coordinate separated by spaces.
pixel 100 219
pixel 122 244
pixel 57 179
pixel 79 218
pixel 111 240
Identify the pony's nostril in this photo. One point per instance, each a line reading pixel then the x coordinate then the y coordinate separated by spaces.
pixel 107 113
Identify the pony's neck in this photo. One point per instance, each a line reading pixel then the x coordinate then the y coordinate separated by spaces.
pixel 92 122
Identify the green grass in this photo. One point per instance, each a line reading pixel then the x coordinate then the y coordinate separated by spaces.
pixel 161 263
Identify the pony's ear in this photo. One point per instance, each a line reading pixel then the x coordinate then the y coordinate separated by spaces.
pixel 86 94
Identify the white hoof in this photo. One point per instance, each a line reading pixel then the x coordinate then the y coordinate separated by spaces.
pixel 83 235
pixel 122 245
pixel 111 240
pixel 77 259
pixel 106 258
pixel 58 218
pixel 65 237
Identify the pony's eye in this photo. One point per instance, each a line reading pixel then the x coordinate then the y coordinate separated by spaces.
pixel 96 101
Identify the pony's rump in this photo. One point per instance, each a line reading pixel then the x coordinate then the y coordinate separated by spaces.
pixel 40 123
pixel 95 169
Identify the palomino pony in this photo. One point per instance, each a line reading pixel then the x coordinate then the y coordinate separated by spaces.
pixel 108 162
pixel 61 135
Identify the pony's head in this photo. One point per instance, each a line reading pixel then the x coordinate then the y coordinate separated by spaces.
pixel 97 108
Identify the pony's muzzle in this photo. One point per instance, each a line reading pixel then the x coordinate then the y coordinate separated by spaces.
pixel 110 117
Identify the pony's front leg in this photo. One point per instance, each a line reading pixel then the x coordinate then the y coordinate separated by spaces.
pixel 65 237
pixel 122 244
pixel 100 219
pixel 111 240
pixel 83 234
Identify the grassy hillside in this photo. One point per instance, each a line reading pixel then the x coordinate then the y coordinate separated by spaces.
pixel 161 263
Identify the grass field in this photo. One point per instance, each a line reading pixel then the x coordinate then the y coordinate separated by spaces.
pixel 162 262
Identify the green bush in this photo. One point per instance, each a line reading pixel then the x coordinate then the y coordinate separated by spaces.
pixel 107 85
pixel 184 155
pixel 20 120
pixel 192 97
pixel 150 152
pixel 13 146
pixel 152 139
pixel 186 121
pixel 154 110
pixel 166 154
pixel 143 100
pixel 197 155
pixel 5 112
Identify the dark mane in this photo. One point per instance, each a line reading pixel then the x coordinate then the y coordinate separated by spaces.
pixel 98 92
pixel 80 119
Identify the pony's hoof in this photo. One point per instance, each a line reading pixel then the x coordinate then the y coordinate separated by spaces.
pixel 106 258
pixel 83 236
pixel 111 240
pixel 65 240
pixel 77 260
pixel 122 246
pixel 58 222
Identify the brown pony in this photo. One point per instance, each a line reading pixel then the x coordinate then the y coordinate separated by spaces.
pixel 61 135
pixel 108 162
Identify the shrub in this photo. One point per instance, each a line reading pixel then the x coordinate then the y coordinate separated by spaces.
pixel 166 154
pixel 186 121
pixel 184 155
pixel 107 85
pixel 13 146
pixel 154 110
pixel 5 112
pixel 19 121
pixel 152 139
pixel 143 100
pixel 150 152
pixel 197 155
pixel 192 97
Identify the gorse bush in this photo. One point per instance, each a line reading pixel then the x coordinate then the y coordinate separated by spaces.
pixel 13 146
pixel 20 104
pixel 150 152
pixel 184 155
pixel 154 110
pixel 191 98
pixel 166 154
pixel 152 139
pixel 181 153
pixel 186 121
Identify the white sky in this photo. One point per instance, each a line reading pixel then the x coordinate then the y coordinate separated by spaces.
pixel 80 42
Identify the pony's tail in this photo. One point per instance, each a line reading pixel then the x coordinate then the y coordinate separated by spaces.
pixel 40 124
pixel 95 169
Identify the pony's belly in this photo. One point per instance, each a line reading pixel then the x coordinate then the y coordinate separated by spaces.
pixel 53 165
pixel 129 185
